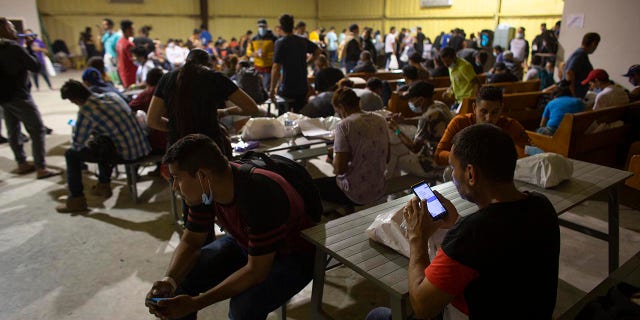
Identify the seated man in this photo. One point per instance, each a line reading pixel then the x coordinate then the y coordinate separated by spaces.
pixel 415 154
pixel 116 137
pixel 92 78
pixel 262 261
pixel 365 64
pixel 563 102
pixel 486 109
pixel 501 74
pixel 609 94
pixel 410 75
pixel 511 244
pixel 634 78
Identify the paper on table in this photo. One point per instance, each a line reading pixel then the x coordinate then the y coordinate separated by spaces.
pixel 313 127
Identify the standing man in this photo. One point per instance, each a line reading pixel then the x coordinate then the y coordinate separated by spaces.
pixel 40 50
pixel 390 45
pixel 520 47
pixel 116 137
pixel 126 68
pixel 262 261
pixel 332 46
pixel 261 49
pixel 351 48
pixel 578 65
pixel 512 234
pixel 419 44
pixel 17 103
pixel 464 81
pixel 290 56
pixel 109 41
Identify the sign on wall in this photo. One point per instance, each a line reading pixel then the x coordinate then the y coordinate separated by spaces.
pixel 435 3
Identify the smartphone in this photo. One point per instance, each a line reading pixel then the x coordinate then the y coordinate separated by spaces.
pixel 155 300
pixel 434 206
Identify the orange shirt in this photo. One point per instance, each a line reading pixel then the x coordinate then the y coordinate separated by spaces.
pixel 512 127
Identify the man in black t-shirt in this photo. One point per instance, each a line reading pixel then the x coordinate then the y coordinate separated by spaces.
pixel 290 61
pixel 259 264
pixel 204 94
pixel 499 262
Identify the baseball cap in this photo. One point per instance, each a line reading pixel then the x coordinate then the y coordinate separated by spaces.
pixel 632 70
pixel 92 76
pixel 598 74
pixel 419 89
pixel 262 22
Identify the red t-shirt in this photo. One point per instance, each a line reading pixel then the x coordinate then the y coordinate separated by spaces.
pixel 126 67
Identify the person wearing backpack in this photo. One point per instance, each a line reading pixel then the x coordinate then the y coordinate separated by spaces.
pixel 249 80
pixel 260 263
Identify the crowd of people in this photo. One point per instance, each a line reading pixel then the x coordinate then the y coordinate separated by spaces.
pixel 189 86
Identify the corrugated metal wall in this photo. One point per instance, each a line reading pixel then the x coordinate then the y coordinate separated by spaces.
pixel 65 19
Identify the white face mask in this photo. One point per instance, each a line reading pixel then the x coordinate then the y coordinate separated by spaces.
pixel 520 35
pixel 262 31
pixel 414 108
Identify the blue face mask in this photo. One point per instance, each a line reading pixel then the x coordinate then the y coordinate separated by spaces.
pixel 414 108
pixel 597 90
pixel 206 199
pixel 262 31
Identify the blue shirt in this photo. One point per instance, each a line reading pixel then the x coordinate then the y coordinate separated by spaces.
pixel 109 41
pixel 108 115
pixel 556 109
pixel 332 40
pixel 579 63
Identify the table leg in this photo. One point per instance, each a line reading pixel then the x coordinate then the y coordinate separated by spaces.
pixel 614 229
pixel 398 309
pixel 318 285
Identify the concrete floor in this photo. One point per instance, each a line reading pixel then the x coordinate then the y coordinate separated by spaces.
pixel 101 264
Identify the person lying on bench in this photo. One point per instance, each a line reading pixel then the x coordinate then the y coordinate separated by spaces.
pixel 510 245
pixel 117 137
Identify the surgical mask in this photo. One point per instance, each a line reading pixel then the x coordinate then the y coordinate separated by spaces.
pixel 597 90
pixel 520 35
pixel 137 63
pixel 414 108
pixel 206 199
pixel 262 31
pixel 495 54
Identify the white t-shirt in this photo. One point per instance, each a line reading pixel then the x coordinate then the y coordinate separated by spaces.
pixel 389 43
pixel 611 96
pixel 518 47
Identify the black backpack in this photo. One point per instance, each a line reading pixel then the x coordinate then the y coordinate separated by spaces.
pixel 249 81
pixel 291 171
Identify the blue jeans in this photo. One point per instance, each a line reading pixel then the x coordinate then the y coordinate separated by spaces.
pixel 333 58
pixel 350 65
pixel 379 313
pixel 266 80
pixel 222 257
pixel 75 158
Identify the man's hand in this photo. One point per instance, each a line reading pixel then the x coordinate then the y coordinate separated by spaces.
pixel 272 96
pixel 397 117
pixel 452 213
pixel 420 226
pixel 393 125
pixel 176 307
pixel 160 289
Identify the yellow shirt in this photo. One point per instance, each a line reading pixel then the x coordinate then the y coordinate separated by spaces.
pixel 462 75
pixel 264 50
pixel 314 37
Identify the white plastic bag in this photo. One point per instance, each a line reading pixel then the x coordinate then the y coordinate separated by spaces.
pixel 386 229
pixel 141 117
pixel 262 128
pixel 393 62
pixel 49 67
pixel 544 170
pixel 389 229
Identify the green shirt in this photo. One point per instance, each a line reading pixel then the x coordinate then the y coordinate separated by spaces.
pixel 461 75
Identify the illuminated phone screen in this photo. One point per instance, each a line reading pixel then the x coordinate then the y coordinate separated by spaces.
pixel 434 206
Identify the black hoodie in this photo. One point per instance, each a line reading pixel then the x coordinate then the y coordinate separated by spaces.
pixel 15 61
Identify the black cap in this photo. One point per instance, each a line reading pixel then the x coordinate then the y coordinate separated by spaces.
pixel 262 22
pixel 632 70
pixel 353 27
pixel 419 89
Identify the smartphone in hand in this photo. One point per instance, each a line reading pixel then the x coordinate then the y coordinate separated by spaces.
pixel 434 206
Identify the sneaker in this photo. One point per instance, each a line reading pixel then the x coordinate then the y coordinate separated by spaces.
pixel 73 204
pixel 48 130
pixel 3 140
pixel 24 138
pixel 102 190
pixel 47 173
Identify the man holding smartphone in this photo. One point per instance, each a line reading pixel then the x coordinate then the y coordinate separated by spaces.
pixel 501 261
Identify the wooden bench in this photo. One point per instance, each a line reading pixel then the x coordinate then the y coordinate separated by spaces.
pixel 608 147
pixel 516 87
pixel 519 106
